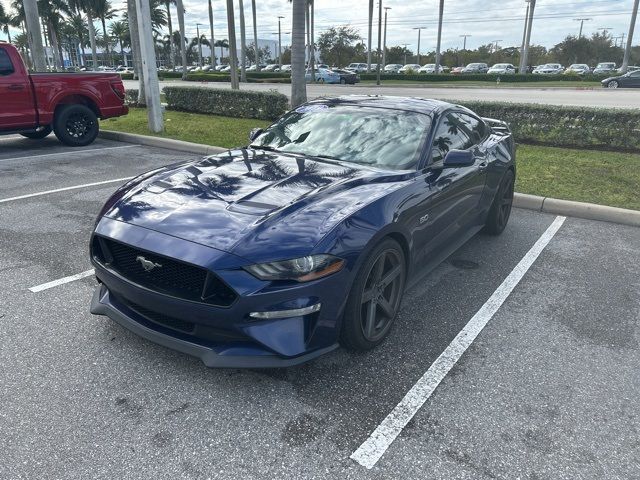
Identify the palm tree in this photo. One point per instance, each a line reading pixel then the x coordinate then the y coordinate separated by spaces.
pixel 172 47
pixel 233 59
pixel 243 45
pixel 298 83
pixel 222 44
pixel 212 41
pixel 89 7
pixel 4 21
pixel 51 12
pixel 120 32
pixel 79 28
pixel 105 12
pixel 255 35
pixel 183 38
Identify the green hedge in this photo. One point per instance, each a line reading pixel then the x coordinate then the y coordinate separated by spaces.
pixel 594 128
pixel 224 77
pixel 447 77
pixel 230 103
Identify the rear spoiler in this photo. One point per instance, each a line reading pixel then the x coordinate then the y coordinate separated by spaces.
pixel 498 126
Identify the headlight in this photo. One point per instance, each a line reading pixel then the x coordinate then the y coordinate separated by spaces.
pixel 302 269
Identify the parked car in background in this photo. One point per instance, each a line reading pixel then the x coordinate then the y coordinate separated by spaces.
pixel 632 68
pixel 307 238
pixel 457 70
pixel 628 80
pixel 347 76
pixel 604 67
pixel 549 69
pixel 410 68
pixel 502 69
pixel 476 68
pixel 125 70
pixel 323 75
pixel 69 104
pixel 392 68
pixel 272 67
pixel 357 67
pixel 427 68
pixel 578 69
pixel 219 68
pixel 285 68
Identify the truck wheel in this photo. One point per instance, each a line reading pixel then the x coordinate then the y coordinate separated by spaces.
pixel 75 125
pixel 38 134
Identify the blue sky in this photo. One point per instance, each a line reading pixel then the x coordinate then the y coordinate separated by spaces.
pixel 484 21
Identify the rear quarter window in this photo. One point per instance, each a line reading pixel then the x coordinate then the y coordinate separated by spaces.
pixel 6 67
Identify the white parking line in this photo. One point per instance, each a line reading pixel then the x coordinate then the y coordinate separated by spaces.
pixel 74 152
pixel 61 281
pixel 47 192
pixel 383 436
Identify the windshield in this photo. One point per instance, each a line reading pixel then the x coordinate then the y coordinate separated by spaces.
pixel 500 65
pixel 606 65
pixel 378 137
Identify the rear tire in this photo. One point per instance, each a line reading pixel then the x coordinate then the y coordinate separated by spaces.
pixel 38 134
pixel 501 206
pixel 343 81
pixel 76 125
pixel 375 297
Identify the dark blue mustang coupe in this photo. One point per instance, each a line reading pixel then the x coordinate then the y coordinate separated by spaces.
pixel 274 254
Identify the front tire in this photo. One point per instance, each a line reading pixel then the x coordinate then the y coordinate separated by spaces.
pixel 375 297
pixel 76 125
pixel 613 84
pixel 501 206
pixel 38 134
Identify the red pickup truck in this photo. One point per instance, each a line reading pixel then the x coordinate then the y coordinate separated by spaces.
pixel 70 104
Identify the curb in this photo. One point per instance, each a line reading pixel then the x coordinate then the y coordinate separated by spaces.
pixel 588 211
pixel 168 143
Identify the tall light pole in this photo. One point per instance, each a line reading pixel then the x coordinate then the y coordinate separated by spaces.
pixel 233 54
pixel 581 20
pixel 199 44
pixel 212 38
pixel 524 36
pixel 604 30
pixel 627 50
pixel 525 52
pixel 418 54
pixel 464 43
pixel 279 41
pixel 405 45
pixel 379 59
pixel 34 35
pixel 243 44
pixel 255 35
pixel 370 35
pixel 438 45
pixel 384 43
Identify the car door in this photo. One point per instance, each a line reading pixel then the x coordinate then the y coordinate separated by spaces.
pixel 633 79
pixel 454 204
pixel 16 107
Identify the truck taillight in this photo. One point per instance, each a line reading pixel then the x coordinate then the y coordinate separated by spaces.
pixel 118 89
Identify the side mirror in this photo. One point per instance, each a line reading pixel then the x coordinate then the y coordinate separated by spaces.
pixel 458 158
pixel 255 133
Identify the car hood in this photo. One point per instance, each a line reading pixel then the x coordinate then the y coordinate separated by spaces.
pixel 245 201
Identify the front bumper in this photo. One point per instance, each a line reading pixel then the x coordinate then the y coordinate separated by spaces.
pixel 102 304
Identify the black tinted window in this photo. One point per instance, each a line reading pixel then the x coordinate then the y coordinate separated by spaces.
pixel 475 129
pixel 449 136
pixel 6 67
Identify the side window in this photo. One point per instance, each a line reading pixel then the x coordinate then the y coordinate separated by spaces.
pixel 475 129
pixel 6 67
pixel 450 135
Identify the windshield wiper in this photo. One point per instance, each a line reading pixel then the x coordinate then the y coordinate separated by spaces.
pixel 264 147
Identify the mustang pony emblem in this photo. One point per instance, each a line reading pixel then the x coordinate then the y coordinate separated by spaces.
pixel 147 265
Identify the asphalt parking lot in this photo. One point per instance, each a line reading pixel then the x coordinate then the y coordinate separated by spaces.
pixel 550 388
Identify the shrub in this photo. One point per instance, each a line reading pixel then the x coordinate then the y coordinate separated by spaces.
pixel 600 128
pixel 131 97
pixel 230 103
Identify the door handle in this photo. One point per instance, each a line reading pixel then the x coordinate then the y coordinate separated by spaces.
pixel 15 86
pixel 483 165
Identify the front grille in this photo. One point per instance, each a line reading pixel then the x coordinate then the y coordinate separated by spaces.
pixel 164 320
pixel 169 276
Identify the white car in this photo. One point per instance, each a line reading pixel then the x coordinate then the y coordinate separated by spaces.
pixel 392 68
pixel 357 67
pixel 578 68
pixel 502 69
pixel 285 68
pixel 410 67
pixel 428 68
pixel 549 69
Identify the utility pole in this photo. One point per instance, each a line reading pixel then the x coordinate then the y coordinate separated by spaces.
pixel 212 39
pixel 233 59
pixel 255 35
pixel 405 45
pixel 34 35
pixel 199 44
pixel 149 67
pixel 280 41
pixel 627 50
pixel 243 45
pixel 524 36
pixel 418 54
pixel 384 43
pixel 379 60
pixel 525 53
pixel 581 20
pixel 370 35
pixel 464 44
pixel 438 45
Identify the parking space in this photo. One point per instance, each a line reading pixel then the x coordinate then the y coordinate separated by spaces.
pixel 549 389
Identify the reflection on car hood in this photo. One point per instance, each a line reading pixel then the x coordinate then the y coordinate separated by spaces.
pixel 231 200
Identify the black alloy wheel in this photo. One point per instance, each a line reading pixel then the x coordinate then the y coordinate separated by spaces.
pixel 375 297
pixel 501 208
pixel 75 125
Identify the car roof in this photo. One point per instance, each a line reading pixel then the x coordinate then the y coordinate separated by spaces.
pixel 410 104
